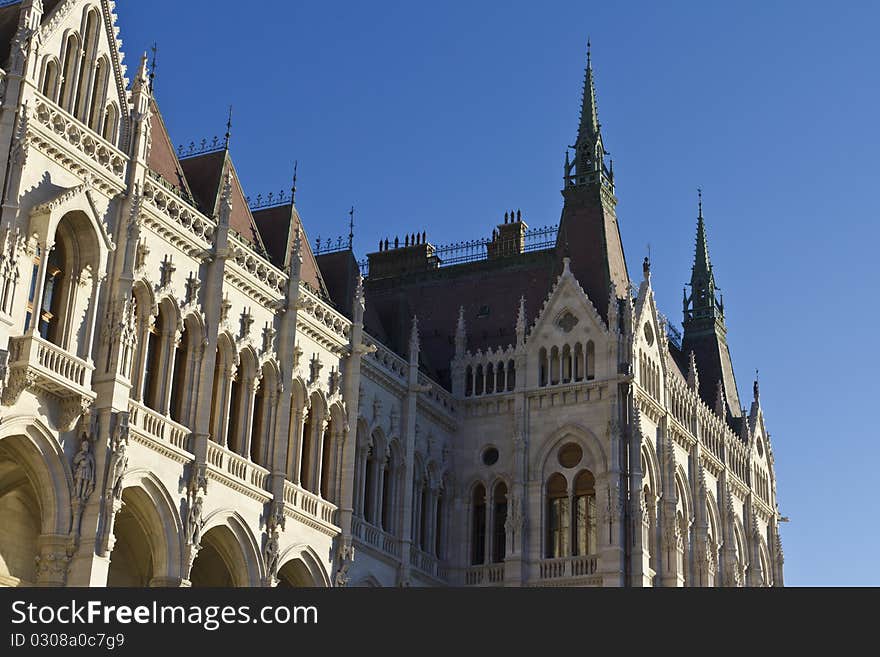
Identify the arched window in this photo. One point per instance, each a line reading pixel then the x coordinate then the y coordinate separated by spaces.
pixel 468 381
pixel 51 306
pixel 387 471
pixel 68 78
pixel 438 527
pixel 424 518
pixel 153 362
pixel 585 514
pixel 542 367
pixel 178 381
pixel 306 457
pixel 591 361
pixel 554 365
pixel 111 123
pixel 499 377
pixel 89 50
pixel 578 362
pixel 499 520
pixel 490 379
pixel 511 375
pixel 233 435
pixel 326 454
pixel 478 525
pixel 566 364
pixel 259 426
pixel 50 79
pixel 99 92
pixel 558 528
pixel 478 383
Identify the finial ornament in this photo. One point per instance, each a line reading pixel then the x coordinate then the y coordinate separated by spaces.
pixel 351 227
pixel 228 127
pixel 293 188
pixel 589 54
pixel 155 50
pixel 757 390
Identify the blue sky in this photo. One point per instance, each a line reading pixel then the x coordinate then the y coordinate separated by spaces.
pixel 441 116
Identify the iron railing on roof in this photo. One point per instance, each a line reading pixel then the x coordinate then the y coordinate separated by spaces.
pixel 271 200
pixel 200 148
pixel 457 253
pixel 333 245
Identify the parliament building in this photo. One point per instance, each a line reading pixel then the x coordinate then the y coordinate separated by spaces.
pixel 193 393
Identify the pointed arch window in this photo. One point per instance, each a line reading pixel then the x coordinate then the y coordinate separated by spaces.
pixel 558 527
pixel 478 525
pixel 499 521
pixel 584 514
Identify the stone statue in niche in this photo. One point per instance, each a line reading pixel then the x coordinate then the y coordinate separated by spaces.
pixel 83 471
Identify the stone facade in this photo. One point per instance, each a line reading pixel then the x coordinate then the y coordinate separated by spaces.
pixel 179 406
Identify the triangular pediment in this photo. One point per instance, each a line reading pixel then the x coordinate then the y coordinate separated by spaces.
pixel 568 313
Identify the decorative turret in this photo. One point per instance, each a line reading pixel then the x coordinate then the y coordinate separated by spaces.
pixel 460 336
pixel 414 343
pixel 693 377
pixel 705 333
pixel 589 150
pixel 588 230
pixel 520 323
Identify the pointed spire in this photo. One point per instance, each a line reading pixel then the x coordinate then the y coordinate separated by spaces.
pixel 414 342
pixel 521 323
pixel 589 124
pixel 693 377
pixel 228 129
pixel 141 78
pixel 359 300
pixel 293 187
pixel 351 228
pixel 460 335
pixel 296 254
pixel 702 302
pixel 155 50
pixel 719 400
pixel 756 389
pixel 226 198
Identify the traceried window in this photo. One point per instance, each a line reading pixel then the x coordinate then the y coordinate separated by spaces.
pixel 584 514
pixel 558 516
pixel 499 520
pixel 478 526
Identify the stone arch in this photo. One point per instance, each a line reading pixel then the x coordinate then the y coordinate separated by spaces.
pixel 228 542
pixel 149 516
pixel 687 503
pixel 30 443
pixel 304 565
pixel 652 468
pixel 594 459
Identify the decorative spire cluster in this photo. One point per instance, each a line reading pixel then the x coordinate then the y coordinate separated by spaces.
pixel 589 150
pixel 702 302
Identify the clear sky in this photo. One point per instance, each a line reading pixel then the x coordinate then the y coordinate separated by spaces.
pixel 440 116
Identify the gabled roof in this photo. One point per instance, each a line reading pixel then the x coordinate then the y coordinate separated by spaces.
pixel 204 174
pixel 163 159
pixel 340 270
pixel 277 227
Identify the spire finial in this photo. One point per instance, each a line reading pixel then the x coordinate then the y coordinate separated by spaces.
pixel 700 200
pixel 155 50
pixel 757 390
pixel 228 128
pixel 351 227
pixel 293 188
pixel 589 55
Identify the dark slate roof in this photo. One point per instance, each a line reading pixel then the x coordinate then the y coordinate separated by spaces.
pixel 713 364
pixel 163 159
pixel 340 270
pixel 489 291
pixel 277 226
pixel 205 174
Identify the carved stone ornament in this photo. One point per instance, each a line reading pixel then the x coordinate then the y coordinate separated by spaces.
pixel 346 559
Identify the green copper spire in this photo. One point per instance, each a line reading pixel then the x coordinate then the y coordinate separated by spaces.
pixel 702 302
pixel 589 160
